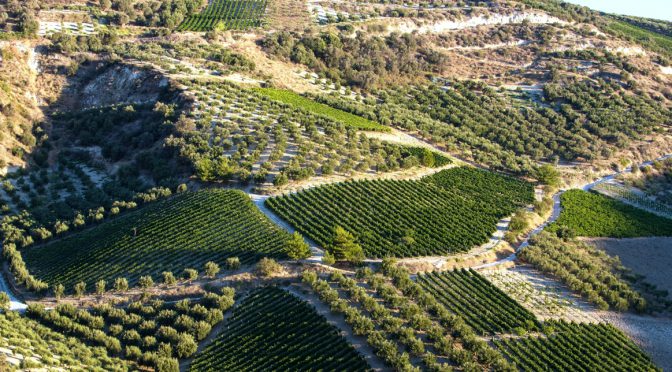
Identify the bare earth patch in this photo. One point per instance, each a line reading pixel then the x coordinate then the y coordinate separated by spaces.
pixel 651 257
pixel 653 334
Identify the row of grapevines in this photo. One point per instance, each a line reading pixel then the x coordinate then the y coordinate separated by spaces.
pixel 485 308
pixel 347 118
pixel 591 214
pixel 576 347
pixel 437 215
pixel 619 191
pixel 272 330
pixel 184 231
pixel 228 14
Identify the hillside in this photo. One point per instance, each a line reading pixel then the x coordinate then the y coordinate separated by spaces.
pixel 384 185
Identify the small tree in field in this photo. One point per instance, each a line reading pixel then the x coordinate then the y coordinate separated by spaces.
pixel 297 248
pixel 59 290
pixel 80 288
pixel 145 281
pixel 120 284
pixel 267 267
pixel 100 287
pixel 211 269
pixel 233 263
pixel 4 301
pixel 168 278
pixel 190 274
pixel 345 246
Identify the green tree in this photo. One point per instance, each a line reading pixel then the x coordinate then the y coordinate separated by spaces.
pixel 548 175
pixel 211 269
pixel 186 346
pixel 297 248
pixel 428 159
pixel 100 287
pixel 168 278
pixel 120 284
pixel 59 290
pixel 190 274
pixel 233 263
pixel 145 281
pixel 4 301
pixel 345 247
pixel 80 288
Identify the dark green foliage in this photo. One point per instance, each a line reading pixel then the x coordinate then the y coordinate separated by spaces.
pixel 482 305
pixel 575 347
pixel 186 230
pixel 272 330
pixel 595 215
pixel 583 269
pixel 226 15
pixel 451 211
pixel 55 350
pixel 149 326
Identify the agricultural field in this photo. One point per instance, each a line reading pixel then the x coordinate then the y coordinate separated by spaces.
pixel 350 120
pixel 25 343
pixel 290 333
pixel 635 198
pixel 184 231
pixel 599 278
pixel 482 305
pixel 407 327
pixel 241 134
pixel 570 346
pixel 227 15
pixel 594 215
pixel 150 333
pixel 451 211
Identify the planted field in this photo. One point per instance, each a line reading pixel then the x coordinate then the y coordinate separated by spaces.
pixel 264 140
pixel 482 305
pixel 168 330
pixel 271 330
pixel 184 231
pixel 297 100
pixel 451 211
pixel 576 347
pixel 227 15
pixel 595 215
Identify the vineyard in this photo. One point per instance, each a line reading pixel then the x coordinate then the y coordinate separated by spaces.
pixel 408 328
pixel 619 191
pixel 451 211
pixel 307 104
pixel 595 215
pixel 227 15
pixel 272 330
pixel 184 231
pixel 576 347
pixel 482 305
pixel 246 134
pixel 150 332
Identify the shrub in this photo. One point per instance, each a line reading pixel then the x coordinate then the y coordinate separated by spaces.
pixel 145 281
pixel 190 274
pixel 211 269
pixel 168 278
pixel 233 263
pixel 120 284
pixel 267 267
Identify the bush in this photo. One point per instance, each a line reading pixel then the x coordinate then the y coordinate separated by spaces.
pixel 233 263
pixel 145 281
pixel 168 278
pixel 267 267
pixel 190 274
pixel 211 269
